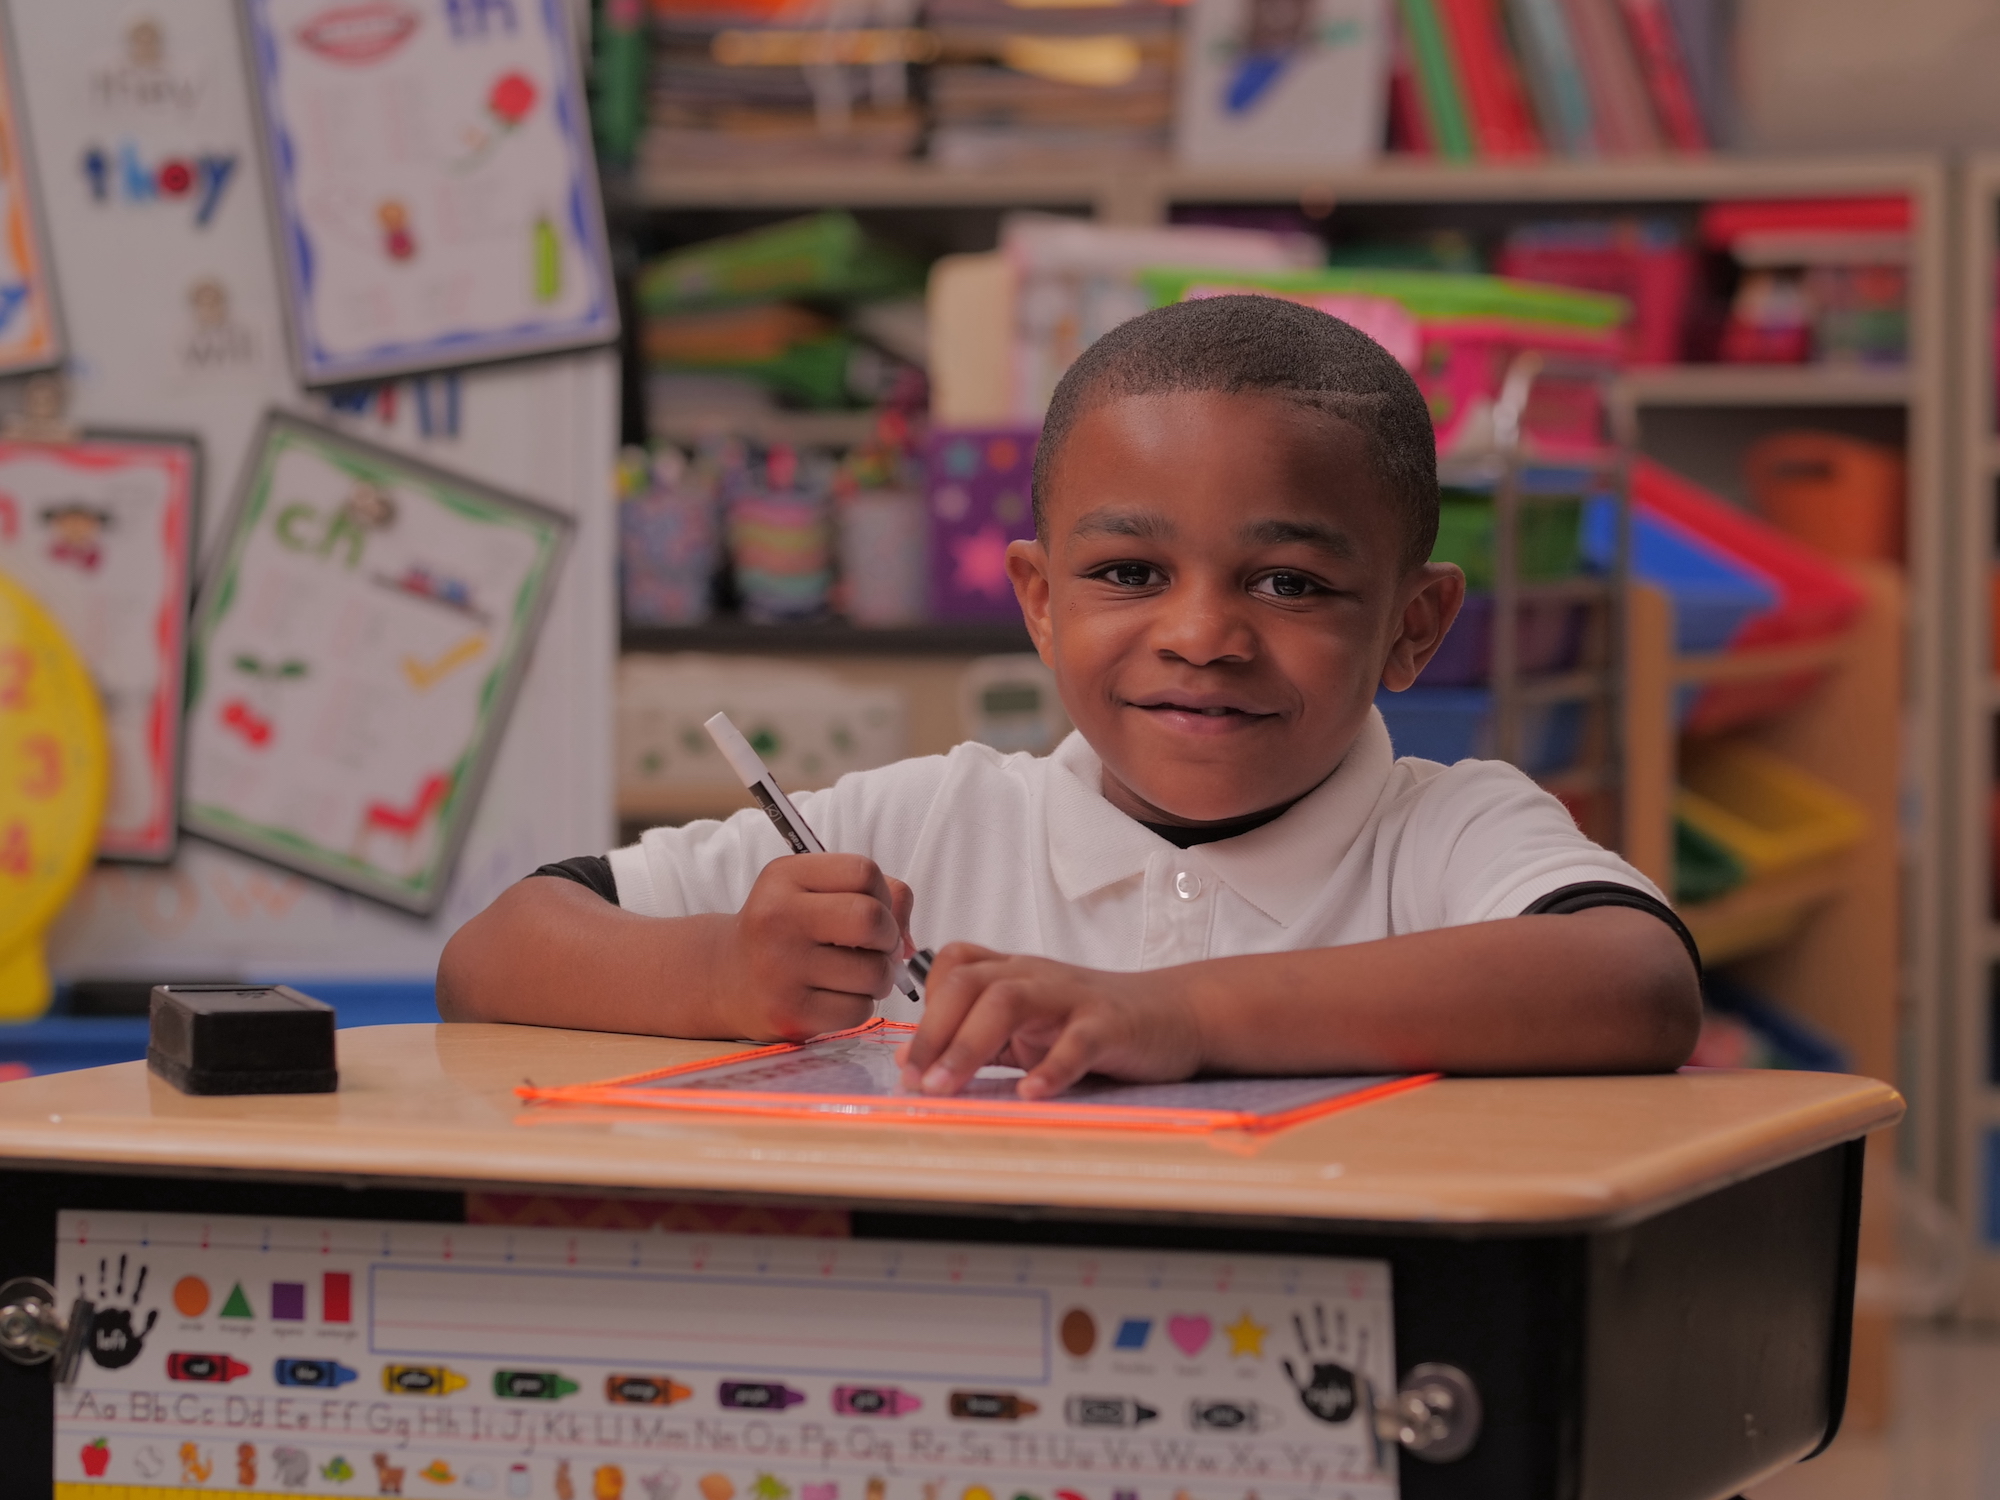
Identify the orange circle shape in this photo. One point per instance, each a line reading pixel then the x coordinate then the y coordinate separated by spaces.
pixel 191 1296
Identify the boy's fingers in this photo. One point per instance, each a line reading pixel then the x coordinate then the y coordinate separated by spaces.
pixel 980 1037
pixel 848 920
pixel 848 971
pixel 954 985
pixel 822 1011
pixel 1066 1062
pixel 835 873
pixel 902 901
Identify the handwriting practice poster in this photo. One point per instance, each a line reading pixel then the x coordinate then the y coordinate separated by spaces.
pixel 432 183
pixel 356 649
pixel 30 336
pixel 101 531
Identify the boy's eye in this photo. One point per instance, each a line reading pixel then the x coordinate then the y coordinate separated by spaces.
pixel 1131 575
pixel 1288 585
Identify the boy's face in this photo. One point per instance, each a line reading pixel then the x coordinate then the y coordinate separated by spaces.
pixel 1220 592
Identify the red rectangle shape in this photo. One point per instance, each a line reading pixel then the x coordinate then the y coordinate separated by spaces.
pixel 337 1297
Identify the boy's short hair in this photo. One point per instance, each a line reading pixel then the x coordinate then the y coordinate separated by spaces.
pixel 1238 344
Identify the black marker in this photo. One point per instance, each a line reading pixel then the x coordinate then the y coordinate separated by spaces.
pixel 761 784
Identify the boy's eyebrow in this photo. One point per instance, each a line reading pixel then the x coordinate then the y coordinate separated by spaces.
pixel 1146 525
pixel 1276 533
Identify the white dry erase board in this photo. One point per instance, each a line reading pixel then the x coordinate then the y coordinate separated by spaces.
pixel 102 531
pixel 433 189
pixel 30 325
pixel 355 653
pixel 333 1357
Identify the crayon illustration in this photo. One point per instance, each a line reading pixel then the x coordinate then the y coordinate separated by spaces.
pixel 322 1374
pixel 337 1468
pixel 991 1406
pixel 644 1390
pixel 397 241
pixel 759 1395
pixel 246 1464
pixel 532 1385
pixel 770 1487
pixel 547 254
pixel 873 1401
pixel 215 1367
pixel 196 1465
pixel 96 1457
pixel 607 1483
pixel 420 1380
pixel 438 1471
pixel 1228 1415
pixel 716 1487
pixel 292 1465
pixel 1106 1411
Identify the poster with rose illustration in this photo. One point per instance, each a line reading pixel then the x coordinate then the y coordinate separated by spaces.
pixel 432 183
pixel 361 634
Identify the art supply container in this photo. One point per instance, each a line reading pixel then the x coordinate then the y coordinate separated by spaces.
pixel 1550 637
pixel 979 502
pixel 668 546
pixel 780 549
pixel 1837 494
pixel 884 557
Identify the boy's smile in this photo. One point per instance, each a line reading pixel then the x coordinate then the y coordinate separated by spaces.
pixel 1219 588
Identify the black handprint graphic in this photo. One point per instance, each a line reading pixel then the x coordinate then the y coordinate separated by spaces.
pixel 1328 1392
pixel 114 1342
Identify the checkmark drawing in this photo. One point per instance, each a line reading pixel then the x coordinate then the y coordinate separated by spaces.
pixel 425 675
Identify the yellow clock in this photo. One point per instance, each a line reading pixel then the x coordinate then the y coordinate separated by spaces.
pixel 55 766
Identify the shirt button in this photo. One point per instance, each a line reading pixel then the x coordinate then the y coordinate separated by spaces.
pixel 1187 885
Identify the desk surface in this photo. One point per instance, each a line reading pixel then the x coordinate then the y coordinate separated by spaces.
pixel 434 1105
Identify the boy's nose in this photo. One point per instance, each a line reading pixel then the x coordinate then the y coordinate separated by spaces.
pixel 1205 625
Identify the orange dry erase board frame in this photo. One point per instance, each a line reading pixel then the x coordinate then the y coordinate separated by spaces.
pixel 667 1088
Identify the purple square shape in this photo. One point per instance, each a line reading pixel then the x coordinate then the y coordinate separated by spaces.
pixel 288 1301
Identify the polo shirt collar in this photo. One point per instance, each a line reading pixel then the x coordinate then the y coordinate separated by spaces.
pixel 1279 868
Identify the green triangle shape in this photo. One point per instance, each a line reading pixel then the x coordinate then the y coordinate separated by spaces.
pixel 238 1305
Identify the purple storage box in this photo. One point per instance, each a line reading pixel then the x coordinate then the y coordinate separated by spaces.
pixel 979 501
pixel 1551 639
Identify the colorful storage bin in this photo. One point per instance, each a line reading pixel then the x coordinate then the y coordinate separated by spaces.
pixel 1815 599
pixel 1453 724
pixel 1767 814
pixel 980 500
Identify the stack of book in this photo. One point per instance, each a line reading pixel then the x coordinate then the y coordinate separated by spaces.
pixel 745 83
pixel 1818 279
pixel 1046 84
pixel 1497 79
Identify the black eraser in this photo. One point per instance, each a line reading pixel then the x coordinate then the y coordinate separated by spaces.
pixel 241 1039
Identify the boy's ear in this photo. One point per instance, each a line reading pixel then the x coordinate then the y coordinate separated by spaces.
pixel 1433 596
pixel 1028 571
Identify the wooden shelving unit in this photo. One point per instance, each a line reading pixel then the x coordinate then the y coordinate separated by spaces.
pixel 1965 1157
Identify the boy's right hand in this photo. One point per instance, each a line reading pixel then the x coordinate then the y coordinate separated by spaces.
pixel 811 948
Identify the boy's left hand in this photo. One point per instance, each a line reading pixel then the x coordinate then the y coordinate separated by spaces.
pixel 1056 1020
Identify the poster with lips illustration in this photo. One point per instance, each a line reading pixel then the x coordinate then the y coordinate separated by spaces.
pixel 101 531
pixel 356 649
pixel 432 183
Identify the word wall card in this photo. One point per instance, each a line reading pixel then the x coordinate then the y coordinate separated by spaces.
pixel 30 325
pixel 102 532
pixel 357 647
pixel 432 182
pixel 338 1358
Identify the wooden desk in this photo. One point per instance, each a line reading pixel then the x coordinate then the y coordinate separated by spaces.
pixel 1648 1280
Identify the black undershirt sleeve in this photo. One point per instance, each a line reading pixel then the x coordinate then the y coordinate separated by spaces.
pixel 1589 893
pixel 590 870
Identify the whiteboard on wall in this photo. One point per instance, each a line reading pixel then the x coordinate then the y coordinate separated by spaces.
pixel 171 303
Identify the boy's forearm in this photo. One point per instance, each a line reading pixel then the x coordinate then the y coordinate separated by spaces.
pixel 549 952
pixel 1602 991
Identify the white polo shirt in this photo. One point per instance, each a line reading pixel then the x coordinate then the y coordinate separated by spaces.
pixel 1025 855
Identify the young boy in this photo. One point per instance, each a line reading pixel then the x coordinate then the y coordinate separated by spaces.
pixel 1225 869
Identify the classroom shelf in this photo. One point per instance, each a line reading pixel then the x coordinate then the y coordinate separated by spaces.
pixel 1767 385
pixel 832 638
pixel 1761 916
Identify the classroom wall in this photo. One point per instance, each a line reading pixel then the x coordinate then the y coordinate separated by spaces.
pixel 1827 75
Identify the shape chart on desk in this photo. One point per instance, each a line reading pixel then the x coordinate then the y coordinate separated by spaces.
pixel 341 1357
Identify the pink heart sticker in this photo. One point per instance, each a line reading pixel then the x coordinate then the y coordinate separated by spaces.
pixel 1190 1335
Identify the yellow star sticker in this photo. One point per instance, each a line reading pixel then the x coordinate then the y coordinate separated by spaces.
pixel 1246 1337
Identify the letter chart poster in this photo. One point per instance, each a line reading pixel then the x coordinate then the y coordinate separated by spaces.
pixel 30 330
pixel 102 532
pixel 356 648
pixel 344 1358
pixel 432 182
